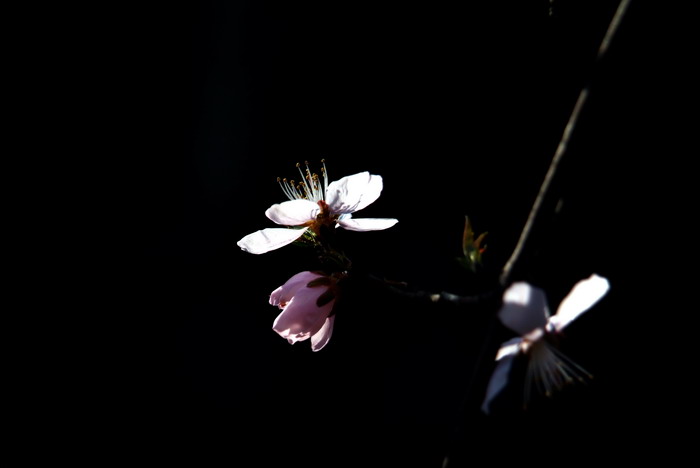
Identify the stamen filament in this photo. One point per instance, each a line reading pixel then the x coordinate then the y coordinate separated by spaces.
pixel 325 175
pixel 549 370
pixel 309 188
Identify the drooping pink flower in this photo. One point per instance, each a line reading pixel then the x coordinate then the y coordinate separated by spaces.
pixel 314 202
pixel 525 311
pixel 307 300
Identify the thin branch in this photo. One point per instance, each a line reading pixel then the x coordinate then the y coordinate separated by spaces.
pixel 561 147
pixel 433 297
pixel 612 28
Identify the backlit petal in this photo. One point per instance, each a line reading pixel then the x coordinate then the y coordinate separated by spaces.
pixel 581 298
pixel 302 318
pixel 366 224
pixel 524 308
pixel 352 193
pixel 293 213
pixel 321 337
pixel 499 378
pixel 285 293
pixel 269 239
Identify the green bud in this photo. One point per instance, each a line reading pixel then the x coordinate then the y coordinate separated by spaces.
pixel 471 247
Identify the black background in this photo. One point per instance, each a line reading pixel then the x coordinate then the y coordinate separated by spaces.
pixel 192 113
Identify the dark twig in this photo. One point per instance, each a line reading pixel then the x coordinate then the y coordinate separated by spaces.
pixel 561 147
pixel 435 298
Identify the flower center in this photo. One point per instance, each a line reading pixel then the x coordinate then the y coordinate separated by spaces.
pixel 323 218
pixel 311 187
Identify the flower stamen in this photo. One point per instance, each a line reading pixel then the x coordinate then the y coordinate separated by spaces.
pixel 310 187
pixel 550 370
pixel 325 175
pixel 290 189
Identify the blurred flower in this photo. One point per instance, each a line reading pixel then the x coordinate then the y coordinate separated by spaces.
pixel 525 311
pixel 307 301
pixel 314 203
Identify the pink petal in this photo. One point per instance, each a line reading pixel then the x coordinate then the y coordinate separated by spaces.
pixel 524 308
pixel 286 292
pixel 366 224
pixel 269 239
pixel 352 193
pixel 302 318
pixel 293 212
pixel 581 298
pixel 321 337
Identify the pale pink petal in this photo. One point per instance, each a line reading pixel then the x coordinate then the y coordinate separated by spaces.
pixel 302 318
pixel 524 308
pixel 282 295
pixel 293 212
pixel 581 298
pixel 352 193
pixel 321 337
pixel 366 224
pixel 269 239
pixel 499 378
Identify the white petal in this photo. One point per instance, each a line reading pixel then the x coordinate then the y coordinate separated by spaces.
pixel 366 224
pixel 524 308
pixel 509 348
pixel 321 338
pixel 352 193
pixel 293 213
pixel 269 239
pixel 499 378
pixel 581 298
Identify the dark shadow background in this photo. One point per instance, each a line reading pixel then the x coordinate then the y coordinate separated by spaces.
pixel 459 108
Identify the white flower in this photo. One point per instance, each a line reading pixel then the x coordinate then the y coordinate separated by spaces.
pixel 525 311
pixel 313 203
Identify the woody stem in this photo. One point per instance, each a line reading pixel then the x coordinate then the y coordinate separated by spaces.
pixel 561 147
